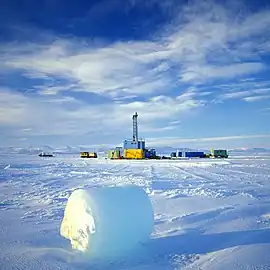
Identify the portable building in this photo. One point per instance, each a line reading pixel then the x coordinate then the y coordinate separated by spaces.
pixel 222 153
pixel 134 153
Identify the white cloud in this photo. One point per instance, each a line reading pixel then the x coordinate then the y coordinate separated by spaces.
pixel 262 91
pixel 217 43
pixel 33 114
pixel 236 95
pixel 247 95
pixel 203 73
pixel 113 70
pixel 256 98
pixel 209 41
pixel 254 24
pixel 12 107
pixel 177 141
pixel 53 90
pixel 47 115
pixel 264 47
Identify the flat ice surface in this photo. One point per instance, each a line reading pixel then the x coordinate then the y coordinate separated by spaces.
pixel 209 214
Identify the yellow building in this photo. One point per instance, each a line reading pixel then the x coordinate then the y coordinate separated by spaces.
pixel 134 153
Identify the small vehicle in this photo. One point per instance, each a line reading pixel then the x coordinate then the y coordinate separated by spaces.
pixel 42 154
pixel 88 155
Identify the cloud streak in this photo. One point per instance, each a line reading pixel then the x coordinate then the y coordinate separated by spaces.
pixel 256 98
pixel 248 95
pixel 177 141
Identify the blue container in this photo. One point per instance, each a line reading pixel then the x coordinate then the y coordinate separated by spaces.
pixel 153 152
pixel 142 145
pixel 201 154
pixel 147 154
pixel 130 144
pixel 179 154
pixel 194 154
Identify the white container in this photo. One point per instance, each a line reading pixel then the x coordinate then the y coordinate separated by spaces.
pixel 109 221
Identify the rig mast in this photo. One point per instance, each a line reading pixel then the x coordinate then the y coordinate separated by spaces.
pixel 135 127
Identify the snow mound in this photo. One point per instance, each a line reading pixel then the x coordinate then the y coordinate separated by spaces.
pixel 109 221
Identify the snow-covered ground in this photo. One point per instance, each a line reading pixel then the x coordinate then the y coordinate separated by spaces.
pixel 209 214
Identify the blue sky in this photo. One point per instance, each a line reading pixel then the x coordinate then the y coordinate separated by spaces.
pixel 74 72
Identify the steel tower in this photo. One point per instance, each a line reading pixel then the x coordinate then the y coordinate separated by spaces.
pixel 135 127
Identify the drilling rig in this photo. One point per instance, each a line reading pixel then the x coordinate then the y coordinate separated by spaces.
pixel 134 143
pixel 133 148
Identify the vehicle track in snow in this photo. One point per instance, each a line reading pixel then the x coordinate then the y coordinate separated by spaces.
pixel 193 175
pixel 205 182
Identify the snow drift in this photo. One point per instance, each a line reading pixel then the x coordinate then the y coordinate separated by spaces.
pixel 108 222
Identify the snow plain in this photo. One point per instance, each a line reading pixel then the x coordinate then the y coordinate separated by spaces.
pixel 209 214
